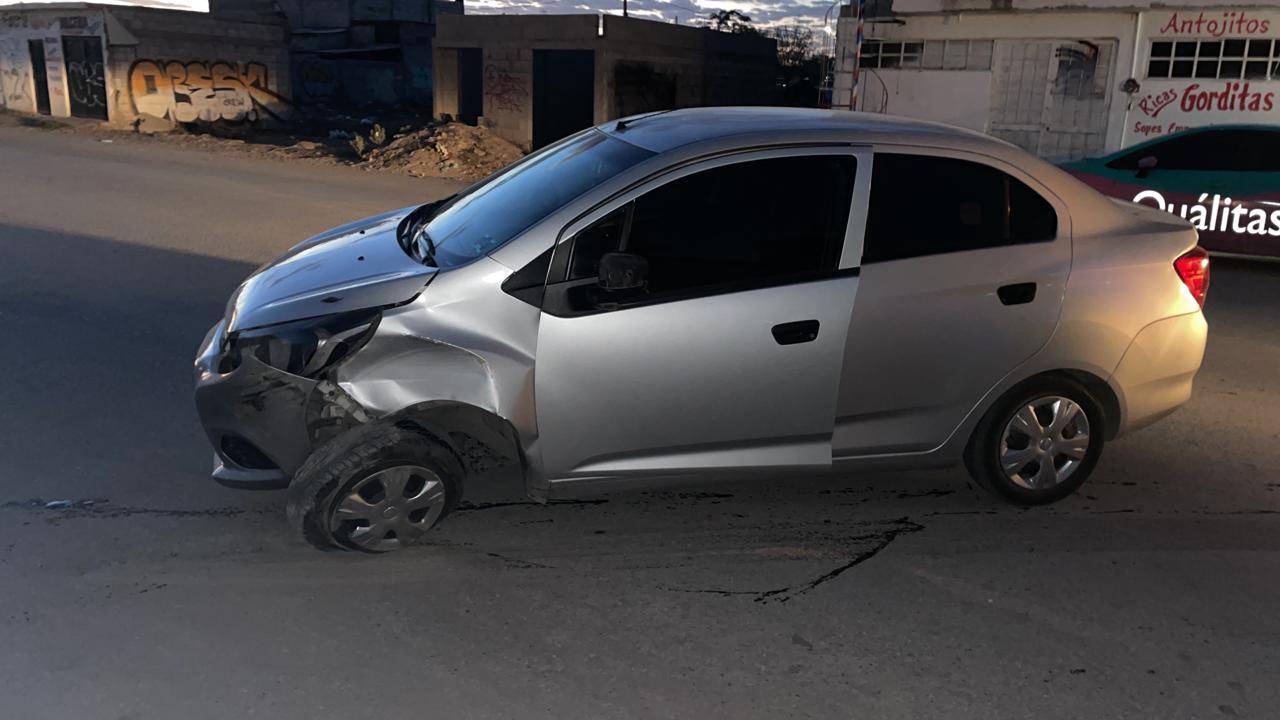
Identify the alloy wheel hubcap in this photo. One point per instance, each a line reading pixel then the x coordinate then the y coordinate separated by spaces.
pixel 388 509
pixel 1044 443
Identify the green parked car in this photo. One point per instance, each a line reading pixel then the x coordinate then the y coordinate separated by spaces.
pixel 1224 179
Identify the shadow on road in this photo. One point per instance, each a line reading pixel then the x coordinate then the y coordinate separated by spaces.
pixel 99 338
pixel 98 389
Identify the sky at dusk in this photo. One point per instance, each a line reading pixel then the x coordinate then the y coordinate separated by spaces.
pixel 762 12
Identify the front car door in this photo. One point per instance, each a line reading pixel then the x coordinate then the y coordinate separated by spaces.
pixel 730 357
pixel 964 266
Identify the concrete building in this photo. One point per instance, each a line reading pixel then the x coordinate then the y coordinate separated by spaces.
pixel 128 65
pixel 537 78
pixel 349 53
pixel 1065 78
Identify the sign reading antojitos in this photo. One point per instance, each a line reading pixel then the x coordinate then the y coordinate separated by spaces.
pixel 1199 68
pixel 1229 22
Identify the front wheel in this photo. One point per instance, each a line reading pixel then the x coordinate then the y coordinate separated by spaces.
pixel 374 489
pixel 1039 443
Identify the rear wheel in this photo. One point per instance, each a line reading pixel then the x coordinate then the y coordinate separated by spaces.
pixel 374 489
pixel 1038 443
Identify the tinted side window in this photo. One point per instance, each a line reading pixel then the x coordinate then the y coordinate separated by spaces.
pixel 605 235
pixel 1222 150
pixel 1031 217
pixel 742 223
pixel 922 205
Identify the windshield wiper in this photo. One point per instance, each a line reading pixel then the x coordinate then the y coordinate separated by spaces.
pixel 427 254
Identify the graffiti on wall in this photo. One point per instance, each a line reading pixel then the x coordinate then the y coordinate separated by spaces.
pixel 53 69
pixel 188 92
pixel 15 74
pixel 86 83
pixel 503 91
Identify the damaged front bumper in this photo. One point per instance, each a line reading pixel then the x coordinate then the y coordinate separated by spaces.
pixel 255 417
pixel 263 422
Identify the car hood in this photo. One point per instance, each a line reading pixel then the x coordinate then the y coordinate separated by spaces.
pixel 353 267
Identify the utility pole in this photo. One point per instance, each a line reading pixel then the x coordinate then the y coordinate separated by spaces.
pixel 624 8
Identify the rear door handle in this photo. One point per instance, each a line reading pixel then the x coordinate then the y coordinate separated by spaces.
pixel 1017 294
pixel 793 333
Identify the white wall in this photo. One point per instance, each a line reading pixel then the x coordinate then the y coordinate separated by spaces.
pixel 959 97
pixel 962 105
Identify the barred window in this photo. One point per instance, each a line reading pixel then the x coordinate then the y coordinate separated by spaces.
pixel 927 54
pixel 1234 59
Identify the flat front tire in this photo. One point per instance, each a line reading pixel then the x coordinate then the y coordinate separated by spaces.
pixel 374 489
pixel 1039 443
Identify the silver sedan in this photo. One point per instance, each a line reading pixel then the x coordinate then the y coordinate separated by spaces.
pixel 706 292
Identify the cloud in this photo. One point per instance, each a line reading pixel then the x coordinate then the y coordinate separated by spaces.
pixel 763 13
pixel 201 5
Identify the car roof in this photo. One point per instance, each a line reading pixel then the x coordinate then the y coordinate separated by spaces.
pixel 666 130
pixel 1198 130
pixel 694 132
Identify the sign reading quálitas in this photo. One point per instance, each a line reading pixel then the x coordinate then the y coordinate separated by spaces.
pixel 1217 213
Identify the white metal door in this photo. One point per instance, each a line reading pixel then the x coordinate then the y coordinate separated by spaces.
pixel 1051 97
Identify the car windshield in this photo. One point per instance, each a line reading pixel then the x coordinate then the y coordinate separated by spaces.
pixel 486 218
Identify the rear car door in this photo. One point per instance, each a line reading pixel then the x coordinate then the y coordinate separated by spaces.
pixel 730 357
pixel 963 270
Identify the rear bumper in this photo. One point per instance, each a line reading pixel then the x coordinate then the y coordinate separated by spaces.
pixel 1155 376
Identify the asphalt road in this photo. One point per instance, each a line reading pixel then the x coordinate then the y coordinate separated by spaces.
pixel 1153 593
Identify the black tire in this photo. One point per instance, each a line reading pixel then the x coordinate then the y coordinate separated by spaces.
pixel 982 456
pixel 344 461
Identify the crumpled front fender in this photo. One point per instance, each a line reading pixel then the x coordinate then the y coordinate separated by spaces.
pixel 396 371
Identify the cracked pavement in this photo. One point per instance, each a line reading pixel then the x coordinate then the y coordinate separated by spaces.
pixel 157 594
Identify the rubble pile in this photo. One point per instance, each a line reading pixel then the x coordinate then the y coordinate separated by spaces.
pixel 451 150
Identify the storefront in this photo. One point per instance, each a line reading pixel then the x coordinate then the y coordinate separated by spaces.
pixel 1063 81
pixel 1204 67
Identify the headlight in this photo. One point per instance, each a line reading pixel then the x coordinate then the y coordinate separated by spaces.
pixel 303 347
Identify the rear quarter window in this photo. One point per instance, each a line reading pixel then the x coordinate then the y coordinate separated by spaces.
pixel 925 205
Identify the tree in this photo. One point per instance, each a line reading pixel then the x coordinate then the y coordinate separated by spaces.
pixel 795 45
pixel 801 66
pixel 731 21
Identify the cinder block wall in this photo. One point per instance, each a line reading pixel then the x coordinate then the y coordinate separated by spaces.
pixel 444 81
pixel 706 67
pixel 508 92
pixel 507 43
pixel 182 67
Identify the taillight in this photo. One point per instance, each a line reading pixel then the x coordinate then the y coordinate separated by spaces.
pixel 1193 268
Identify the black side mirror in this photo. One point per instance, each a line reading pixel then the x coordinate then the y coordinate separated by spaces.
pixel 1146 165
pixel 622 271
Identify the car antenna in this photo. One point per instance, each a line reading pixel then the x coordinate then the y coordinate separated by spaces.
pixel 624 124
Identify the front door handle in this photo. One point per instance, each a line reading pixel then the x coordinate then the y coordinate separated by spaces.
pixel 1017 294
pixel 793 333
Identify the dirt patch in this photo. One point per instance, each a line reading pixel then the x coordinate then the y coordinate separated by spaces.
pixel 450 150
pixel 447 150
